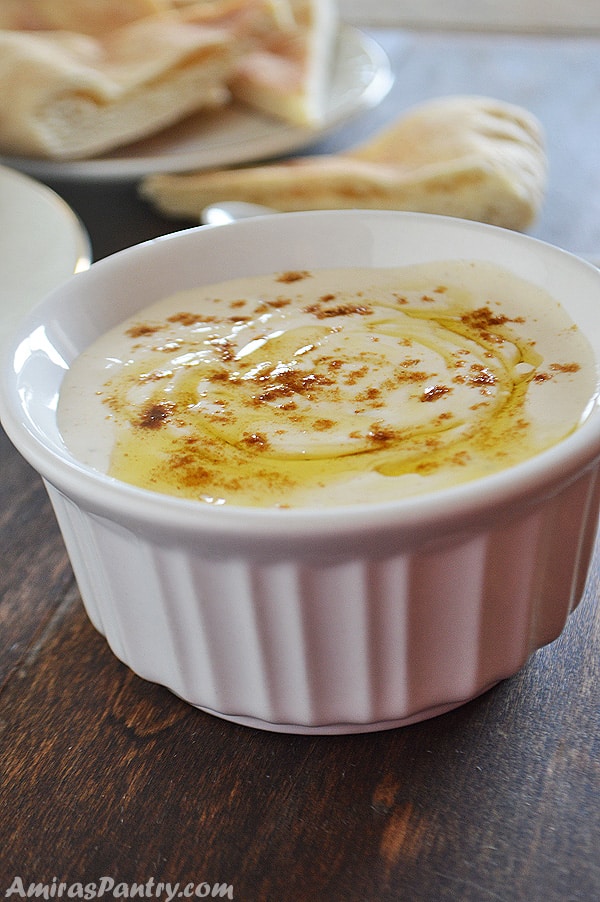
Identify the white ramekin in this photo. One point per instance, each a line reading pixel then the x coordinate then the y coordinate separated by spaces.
pixel 313 620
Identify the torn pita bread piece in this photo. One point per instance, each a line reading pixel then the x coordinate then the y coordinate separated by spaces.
pixel 82 16
pixel 470 157
pixel 286 71
pixel 290 75
pixel 249 22
pixel 74 96
pixel 263 14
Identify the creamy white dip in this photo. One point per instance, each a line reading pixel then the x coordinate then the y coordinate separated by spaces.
pixel 330 387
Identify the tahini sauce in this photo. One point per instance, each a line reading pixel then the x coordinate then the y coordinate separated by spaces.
pixel 330 387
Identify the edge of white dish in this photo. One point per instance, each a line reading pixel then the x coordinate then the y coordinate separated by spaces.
pixel 44 243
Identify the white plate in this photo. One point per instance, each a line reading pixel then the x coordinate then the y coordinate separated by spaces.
pixel 362 77
pixel 42 243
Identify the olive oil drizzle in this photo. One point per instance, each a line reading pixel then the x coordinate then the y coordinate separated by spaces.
pixel 253 407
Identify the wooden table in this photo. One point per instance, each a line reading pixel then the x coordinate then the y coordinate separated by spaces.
pixel 103 775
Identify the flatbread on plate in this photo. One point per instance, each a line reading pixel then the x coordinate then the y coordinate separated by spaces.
pixel 74 95
pixel 83 16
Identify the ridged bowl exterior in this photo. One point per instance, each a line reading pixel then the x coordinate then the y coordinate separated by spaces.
pixel 325 620
pixel 327 640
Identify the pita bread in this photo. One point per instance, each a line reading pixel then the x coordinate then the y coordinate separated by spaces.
pixel 285 71
pixel 83 16
pixel 277 12
pixel 84 77
pixel 250 22
pixel 288 76
pixel 75 95
pixel 470 157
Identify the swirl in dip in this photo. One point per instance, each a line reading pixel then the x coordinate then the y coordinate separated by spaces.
pixel 330 387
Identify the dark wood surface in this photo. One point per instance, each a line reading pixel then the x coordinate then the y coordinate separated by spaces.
pixel 105 775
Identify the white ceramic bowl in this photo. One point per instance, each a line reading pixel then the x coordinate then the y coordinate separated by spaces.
pixel 332 620
pixel 43 243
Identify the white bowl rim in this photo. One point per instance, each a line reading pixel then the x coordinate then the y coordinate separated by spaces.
pixel 531 479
